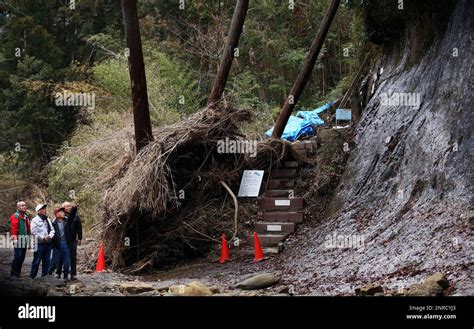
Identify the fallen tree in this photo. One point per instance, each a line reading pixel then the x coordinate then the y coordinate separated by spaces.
pixel 168 202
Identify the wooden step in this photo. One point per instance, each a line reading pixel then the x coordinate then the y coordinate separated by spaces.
pixel 283 173
pixel 302 153
pixel 275 204
pixel 274 227
pixel 309 145
pixel 278 193
pixel 298 145
pixel 273 250
pixel 274 184
pixel 285 216
pixel 271 240
pixel 248 252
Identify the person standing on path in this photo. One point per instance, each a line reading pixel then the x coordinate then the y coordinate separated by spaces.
pixel 74 238
pixel 60 245
pixel 20 233
pixel 43 231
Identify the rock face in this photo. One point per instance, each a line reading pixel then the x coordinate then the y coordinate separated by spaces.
pixel 258 281
pixel 407 187
pixel 407 178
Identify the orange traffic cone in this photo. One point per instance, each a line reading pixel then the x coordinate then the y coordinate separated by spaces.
pixel 258 249
pixel 100 260
pixel 224 250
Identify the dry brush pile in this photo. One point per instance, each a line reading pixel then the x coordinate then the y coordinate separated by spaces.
pixel 168 202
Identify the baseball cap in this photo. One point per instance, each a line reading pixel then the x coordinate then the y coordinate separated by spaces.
pixel 58 210
pixel 40 206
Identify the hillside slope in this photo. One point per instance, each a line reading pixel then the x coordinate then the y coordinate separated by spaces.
pixel 407 188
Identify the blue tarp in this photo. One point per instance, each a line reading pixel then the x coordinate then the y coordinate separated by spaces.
pixel 313 114
pixel 295 128
pixel 302 124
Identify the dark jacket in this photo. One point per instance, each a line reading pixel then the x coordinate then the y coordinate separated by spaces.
pixel 75 226
pixel 56 239
pixel 72 229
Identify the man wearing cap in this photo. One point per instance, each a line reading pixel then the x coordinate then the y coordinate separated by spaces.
pixel 43 231
pixel 60 245
pixel 19 231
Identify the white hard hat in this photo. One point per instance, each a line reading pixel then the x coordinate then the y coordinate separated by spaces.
pixel 40 206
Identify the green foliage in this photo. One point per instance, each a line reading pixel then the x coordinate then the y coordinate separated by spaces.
pixel 25 35
pixel 60 46
pixel 277 35
pixel 34 69
pixel 77 71
pixel 293 57
pixel 170 87
pixel 244 90
pixel 112 75
pixel 83 165
pixel 263 118
pixel 41 46
pixel 30 120
pixel 340 89
pixel 76 174
pixel 171 90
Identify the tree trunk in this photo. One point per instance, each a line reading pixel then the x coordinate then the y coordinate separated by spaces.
pixel 235 30
pixel 305 71
pixel 136 67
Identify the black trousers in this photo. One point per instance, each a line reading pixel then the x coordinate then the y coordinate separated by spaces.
pixel 18 259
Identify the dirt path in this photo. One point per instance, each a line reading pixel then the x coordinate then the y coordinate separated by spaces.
pixel 223 277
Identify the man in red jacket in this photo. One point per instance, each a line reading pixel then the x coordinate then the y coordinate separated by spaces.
pixel 20 232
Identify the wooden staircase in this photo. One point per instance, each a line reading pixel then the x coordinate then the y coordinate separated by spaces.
pixel 281 209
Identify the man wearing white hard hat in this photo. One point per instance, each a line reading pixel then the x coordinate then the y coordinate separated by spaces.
pixel 42 229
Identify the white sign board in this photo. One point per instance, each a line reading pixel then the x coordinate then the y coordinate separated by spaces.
pixel 250 184
pixel 343 114
pixel 274 228
pixel 282 203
